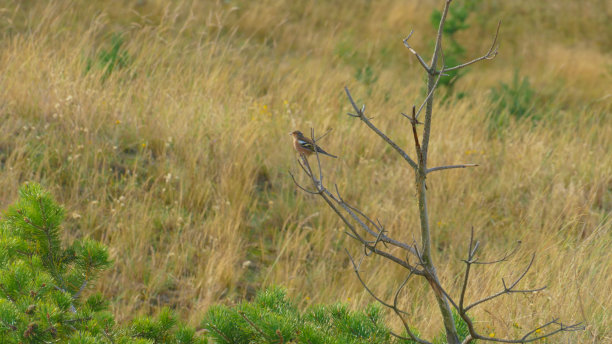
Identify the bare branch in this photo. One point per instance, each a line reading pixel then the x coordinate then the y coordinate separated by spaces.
pixel 383 238
pixel 508 290
pixel 525 339
pixel 332 200
pixel 440 168
pixel 432 85
pixel 500 260
pixel 326 133
pixel 352 236
pixel 552 322
pixel 344 219
pixel 365 286
pixel 435 86
pixel 421 61
pixel 301 187
pixel 303 162
pixel 399 290
pixel 475 335
pixel 410 118
pixel 471 253
pixel 329 197
pixel 438 48
pixel 397 312
pixel 366 244
pixel 493 50
pixel 361 115
pixel 471 260
pixel 417 146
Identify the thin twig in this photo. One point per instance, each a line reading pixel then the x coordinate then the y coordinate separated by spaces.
pixel 385 239
pixel 493 50
pixel 438 47
pixel 417 146
pixel 322 136
pixel 326 195
pixel 476 335
pixel 301 160
pixel 329 198
pixel 524 339
pixel 552 322
pixel 421 61
pixel 508 290
pixel 440 168
pixel 365 286
pixel 301 187
pixel 467 270
pixel 432 86
pixel 361 115
pixel 398 313
pixel 500 260
pixel 435 86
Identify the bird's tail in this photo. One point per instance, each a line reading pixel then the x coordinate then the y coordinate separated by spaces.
pixel 325 153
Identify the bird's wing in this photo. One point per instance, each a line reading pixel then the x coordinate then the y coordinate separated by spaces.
pixel 306 144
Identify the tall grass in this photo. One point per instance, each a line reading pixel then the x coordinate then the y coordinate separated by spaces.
pixel 177 158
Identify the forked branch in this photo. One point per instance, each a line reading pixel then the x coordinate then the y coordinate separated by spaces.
pixel 360 113
pixel 528 337
pixel 508 289
pixel 419 58
pixel 493 50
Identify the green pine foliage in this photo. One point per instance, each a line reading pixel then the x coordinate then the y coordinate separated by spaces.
pixel 166 328
pixel 42 284
pixel 273 318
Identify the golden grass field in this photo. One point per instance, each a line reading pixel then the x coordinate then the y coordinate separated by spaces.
pixel 178 159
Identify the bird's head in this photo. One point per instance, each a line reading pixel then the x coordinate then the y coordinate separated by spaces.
pixel 296 134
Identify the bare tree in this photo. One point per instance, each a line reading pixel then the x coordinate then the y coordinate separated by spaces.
pixel 418 260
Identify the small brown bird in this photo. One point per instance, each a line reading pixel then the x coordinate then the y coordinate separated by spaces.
pixel 305 146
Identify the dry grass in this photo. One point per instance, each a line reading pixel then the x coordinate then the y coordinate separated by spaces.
pixel 178 161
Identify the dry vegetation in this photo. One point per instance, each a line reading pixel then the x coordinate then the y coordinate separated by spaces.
pixel 178 158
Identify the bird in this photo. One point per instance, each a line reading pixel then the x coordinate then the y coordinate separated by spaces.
pixel 305 146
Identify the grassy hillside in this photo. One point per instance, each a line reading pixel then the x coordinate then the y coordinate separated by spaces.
pixel 162 128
